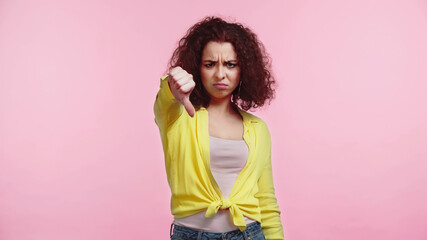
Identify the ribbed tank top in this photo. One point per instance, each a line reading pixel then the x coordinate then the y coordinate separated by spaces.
pixel 227 159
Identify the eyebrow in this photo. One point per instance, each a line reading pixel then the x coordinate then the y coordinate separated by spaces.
pixel 229 61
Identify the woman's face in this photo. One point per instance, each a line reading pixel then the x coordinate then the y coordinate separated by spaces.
pixel 219 70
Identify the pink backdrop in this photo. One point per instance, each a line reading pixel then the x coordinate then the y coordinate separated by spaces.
pixel 81 158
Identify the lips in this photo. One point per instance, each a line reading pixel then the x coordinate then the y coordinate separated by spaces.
pixel 220 85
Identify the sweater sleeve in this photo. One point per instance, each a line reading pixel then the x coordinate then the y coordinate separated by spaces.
pixel 270 213
pixel 166 108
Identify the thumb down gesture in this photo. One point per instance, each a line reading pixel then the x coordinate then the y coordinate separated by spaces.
pixel 181 85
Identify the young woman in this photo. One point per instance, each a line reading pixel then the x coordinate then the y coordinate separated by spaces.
pixel 217 155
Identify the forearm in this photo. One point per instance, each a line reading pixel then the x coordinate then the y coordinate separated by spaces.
pixel 166 108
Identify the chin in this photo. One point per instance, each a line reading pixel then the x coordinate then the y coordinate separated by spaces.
pixel 221 97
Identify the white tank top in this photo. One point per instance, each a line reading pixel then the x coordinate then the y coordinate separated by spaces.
pixel 227 158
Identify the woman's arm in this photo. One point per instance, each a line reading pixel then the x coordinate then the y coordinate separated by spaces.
pixel 166 108
pixel 173 97
pixel 270 213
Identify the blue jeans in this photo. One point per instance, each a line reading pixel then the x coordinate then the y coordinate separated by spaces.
pixel 252 232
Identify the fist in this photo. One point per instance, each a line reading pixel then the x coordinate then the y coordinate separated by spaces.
pixel 181 85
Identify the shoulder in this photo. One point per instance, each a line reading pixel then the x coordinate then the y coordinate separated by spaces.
pixel 250 118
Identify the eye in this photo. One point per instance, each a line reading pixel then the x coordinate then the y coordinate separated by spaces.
pixel 230 65
pixel 209 65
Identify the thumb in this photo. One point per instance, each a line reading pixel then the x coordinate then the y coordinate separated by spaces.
pixel 188 106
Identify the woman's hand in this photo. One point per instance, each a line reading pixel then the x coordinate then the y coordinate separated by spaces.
pixel 181 85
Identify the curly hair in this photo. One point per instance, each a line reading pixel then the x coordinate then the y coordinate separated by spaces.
pixel 255 66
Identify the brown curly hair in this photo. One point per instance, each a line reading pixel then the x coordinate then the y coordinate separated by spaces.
pixel 255 65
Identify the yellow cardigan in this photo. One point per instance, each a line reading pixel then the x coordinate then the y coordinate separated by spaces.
pixel 186 149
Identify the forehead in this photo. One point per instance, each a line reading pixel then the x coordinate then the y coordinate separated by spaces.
pixel 219 49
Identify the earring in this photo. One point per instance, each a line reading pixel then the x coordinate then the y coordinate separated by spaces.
pixel 240 85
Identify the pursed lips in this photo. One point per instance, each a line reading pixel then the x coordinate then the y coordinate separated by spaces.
pixel 220 85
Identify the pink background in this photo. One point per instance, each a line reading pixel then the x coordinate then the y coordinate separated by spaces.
pixel 81 158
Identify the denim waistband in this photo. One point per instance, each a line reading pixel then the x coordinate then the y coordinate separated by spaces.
pixel 252 229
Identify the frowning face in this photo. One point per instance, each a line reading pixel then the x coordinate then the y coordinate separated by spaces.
pixel 219 70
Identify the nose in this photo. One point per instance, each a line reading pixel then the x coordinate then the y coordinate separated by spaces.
pixel 220 72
